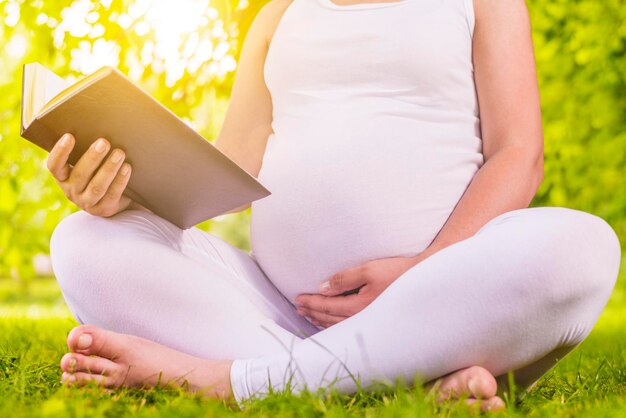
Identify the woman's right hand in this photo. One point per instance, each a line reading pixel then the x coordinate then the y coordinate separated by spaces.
pixel 93 185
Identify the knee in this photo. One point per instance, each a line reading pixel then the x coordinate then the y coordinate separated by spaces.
pixel 87 249
pixel 72 244
pixel 72 233
pixel 81 237
pixel 581 256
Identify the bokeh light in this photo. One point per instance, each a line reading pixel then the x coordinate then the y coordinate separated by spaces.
pixel 177 36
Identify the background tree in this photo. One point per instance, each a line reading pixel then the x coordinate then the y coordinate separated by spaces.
pixel 184 52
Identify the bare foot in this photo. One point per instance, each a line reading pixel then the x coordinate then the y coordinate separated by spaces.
pixel 475 382
pixel 117 360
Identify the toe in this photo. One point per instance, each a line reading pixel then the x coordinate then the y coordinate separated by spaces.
pixel 81 338
pixel 91 340
pixel 75 362
pixel 473 381
pixel 82 379
pixel 493 404
pixel 479 382
pixel 68 363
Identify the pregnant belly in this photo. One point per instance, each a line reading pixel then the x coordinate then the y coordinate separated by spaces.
pixel 337 204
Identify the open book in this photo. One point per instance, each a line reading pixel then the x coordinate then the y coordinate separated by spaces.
pixel 177 174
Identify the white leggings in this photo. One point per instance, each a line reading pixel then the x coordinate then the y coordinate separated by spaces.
pixel 517 296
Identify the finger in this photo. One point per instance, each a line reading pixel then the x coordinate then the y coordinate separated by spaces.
pixel 99 184
pixel 332 305
pixel 87 165
pixel 343 281
pixel 321 325
pixel 57 160
pixel 320 318
pixel 113 199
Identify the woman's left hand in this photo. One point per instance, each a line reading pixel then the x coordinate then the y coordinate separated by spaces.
pixel 364 282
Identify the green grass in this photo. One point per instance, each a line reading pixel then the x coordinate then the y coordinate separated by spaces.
pixel 591 381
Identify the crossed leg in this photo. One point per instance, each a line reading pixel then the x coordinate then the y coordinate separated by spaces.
pixel 527 288
pixel 114 360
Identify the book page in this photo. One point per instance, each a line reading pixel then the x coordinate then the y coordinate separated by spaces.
pixel 40 86
pixel 58 96
pixel 53 85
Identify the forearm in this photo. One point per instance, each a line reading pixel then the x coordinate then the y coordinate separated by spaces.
pixel 507 181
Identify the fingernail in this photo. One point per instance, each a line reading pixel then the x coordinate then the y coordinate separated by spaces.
pixel 325 287
pixel 100 145
pixel 72 363
pixel 116 157
pixel 84 341
pixel 125 169
pixel 65 140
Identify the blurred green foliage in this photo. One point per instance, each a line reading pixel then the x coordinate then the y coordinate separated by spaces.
pixel 31 204
pixel 581 58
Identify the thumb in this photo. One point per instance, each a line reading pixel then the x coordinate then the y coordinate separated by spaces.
pixel 343 281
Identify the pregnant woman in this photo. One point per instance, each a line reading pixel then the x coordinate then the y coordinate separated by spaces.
pixel 397 243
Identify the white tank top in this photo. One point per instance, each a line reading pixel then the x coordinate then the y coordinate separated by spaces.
pixel 376 135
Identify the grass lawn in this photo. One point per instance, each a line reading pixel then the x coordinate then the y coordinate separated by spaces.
pixel 591 381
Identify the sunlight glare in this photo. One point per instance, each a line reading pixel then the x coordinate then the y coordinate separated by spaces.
pixel 178 37
pixel 175 43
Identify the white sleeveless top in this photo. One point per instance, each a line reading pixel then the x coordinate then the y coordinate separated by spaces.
pixel 376 135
